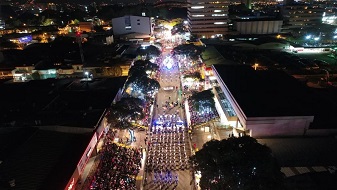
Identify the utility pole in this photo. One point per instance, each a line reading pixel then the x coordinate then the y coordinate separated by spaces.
pixel 79 41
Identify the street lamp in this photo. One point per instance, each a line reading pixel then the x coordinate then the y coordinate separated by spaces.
pixel 255 66
pixel 86 73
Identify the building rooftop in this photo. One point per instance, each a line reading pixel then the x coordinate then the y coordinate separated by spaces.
pixel 265 93
pixel 64 102
pixel 309 161
pixel 39 159
pixel 297 152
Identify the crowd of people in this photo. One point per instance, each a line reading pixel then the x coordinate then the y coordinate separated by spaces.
pixel 167 153
pixel 199 118
pixel 118 167
pixel 165 179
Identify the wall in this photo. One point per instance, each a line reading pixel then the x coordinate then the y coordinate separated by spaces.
pixel 65 71
pixel 137 24
pixel 87 154
pixel 278 126
pixel 259 27
pixel 321 132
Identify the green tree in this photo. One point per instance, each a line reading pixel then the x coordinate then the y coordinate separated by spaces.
pixel 139 80
pixel 144 65
pixel 121 114
pixel 195 76
pixel 203 100
pixel 36 75
pixel 150 51
pixel 188 49
pixel 48 22
pixel 237 164
pixel 141 83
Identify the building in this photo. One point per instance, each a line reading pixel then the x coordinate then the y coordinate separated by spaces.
pixel 266 103
pixel 177 4
pixel 329 16
pixel 2 24
pixel 258 26
pixel 261 103
pixel 208 18
pixel 85 26
pixel 50 129
pixel 301 15
pixel 132 24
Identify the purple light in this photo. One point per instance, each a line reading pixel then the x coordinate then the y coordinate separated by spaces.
pixel 25 39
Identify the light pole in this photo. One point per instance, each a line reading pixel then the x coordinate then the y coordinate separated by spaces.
pixel 79 41
pixel 255 66
pixel 86 73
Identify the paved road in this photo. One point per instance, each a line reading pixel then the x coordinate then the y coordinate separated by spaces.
pixel 168 145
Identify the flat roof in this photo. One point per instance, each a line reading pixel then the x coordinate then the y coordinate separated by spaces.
pixel 40 159
pixel 265 93
pixel 301 152
pixel 65 102
pixel 211 56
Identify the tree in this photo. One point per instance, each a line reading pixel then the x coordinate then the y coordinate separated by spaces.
pixel 121 114
pixel 139 80
pixel 149 51
pixel 188 49
pixel 203 100
pixel 237 164
pixel 196 76
pixel 179 28
pixel 36 75
pixel 145 65
pixel 141 83
pixel 48 22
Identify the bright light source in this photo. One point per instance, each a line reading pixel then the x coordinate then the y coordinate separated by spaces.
pixel 197 7
pixel 308 37
pixel 317 38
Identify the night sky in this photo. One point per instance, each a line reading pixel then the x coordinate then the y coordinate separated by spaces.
pixel 90 1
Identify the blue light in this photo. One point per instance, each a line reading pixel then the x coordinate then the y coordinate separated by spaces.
pixel 25 39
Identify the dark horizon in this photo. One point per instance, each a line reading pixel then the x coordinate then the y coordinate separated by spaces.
pixel 87 1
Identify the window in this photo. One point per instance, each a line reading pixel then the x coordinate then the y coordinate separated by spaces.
pixel 218 14
pixel 127 22
pixel 198 15
pixel 220 23
pixel 197 7
pixel 138 23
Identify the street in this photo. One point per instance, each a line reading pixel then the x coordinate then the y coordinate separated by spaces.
pixel 167 165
